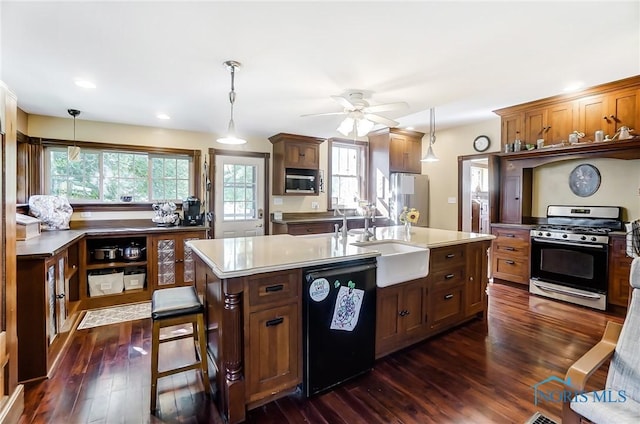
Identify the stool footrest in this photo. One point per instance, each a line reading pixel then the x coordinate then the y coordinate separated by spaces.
pixel 194 366
pixel 178 337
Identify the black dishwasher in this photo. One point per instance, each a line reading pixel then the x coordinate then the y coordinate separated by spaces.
pixel 339 315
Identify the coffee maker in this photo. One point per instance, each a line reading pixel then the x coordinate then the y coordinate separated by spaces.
pixel 191 211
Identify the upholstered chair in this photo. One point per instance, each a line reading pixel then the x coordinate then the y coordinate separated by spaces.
pixel 619 401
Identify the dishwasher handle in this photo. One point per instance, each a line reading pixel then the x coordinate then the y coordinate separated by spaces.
pixel 314 275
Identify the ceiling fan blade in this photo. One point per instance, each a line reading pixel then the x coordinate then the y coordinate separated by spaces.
pixel 381 120
pixel 385 107
pixel 325 114
pixel 343 102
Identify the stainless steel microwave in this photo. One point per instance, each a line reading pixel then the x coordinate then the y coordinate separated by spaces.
pixel 298 183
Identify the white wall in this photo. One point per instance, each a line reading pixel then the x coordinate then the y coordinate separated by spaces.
pixel 443 175
pixel 620 186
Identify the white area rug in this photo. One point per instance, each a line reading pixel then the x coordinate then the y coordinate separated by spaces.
pixel 115 314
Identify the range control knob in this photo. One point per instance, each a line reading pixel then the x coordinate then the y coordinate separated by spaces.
pixel 540 233
pixel 564 236
pixel 548 234
pixel 583 238
pixel 593 239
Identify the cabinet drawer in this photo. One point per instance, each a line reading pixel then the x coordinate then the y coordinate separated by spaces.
pixel 511 247
pixel 511 269
pixel 446 306
pixel 443 279
pixel 273 287
pixel 518 234
pixel 444 258
pixel 311 228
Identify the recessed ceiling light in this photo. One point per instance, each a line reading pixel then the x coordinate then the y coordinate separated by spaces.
pixel 84 83
pixel 573 86
pixel 163 116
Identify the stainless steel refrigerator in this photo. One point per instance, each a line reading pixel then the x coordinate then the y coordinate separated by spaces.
pixel 412 191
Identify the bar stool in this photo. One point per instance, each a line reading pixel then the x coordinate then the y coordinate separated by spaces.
pixel 175 306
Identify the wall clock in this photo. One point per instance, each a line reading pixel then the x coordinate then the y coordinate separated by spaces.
pixel 481 143
pixel 584 180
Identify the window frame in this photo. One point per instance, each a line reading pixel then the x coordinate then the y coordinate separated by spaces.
pixel 195 156
pixel 363 147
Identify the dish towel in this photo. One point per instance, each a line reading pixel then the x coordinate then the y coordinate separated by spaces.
pixel 634 274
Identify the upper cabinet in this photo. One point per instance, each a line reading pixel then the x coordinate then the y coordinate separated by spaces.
pixel 606 107
pixel 296 162
pixel 396 150
pixel 609 112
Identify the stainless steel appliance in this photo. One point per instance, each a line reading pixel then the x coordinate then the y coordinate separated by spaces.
pixel 570 254
pixel 191 211
pixel 412 191
pixel 300 181
pixel 339 323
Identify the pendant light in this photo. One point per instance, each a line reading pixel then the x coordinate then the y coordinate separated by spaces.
pixel 231 137
pixel 431 157
pixel 73 152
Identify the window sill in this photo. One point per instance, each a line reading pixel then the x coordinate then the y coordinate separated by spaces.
pixel 116 206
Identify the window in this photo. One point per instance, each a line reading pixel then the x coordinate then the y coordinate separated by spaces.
pixel 106 175
pixel 240 191
pixel 347 172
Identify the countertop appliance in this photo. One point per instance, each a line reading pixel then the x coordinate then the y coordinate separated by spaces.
pixel 339 323
pixel 570 254
pixel 412 191
pixel 191 211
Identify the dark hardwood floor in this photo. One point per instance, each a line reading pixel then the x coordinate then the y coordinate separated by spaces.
pixel 472 374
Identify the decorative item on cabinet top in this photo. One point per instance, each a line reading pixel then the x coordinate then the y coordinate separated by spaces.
pixel 165 214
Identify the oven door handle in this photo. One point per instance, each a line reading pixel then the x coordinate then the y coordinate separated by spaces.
pixel 568 243
pixel 567 291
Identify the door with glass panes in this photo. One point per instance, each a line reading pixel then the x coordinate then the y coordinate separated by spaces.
pixel 239 196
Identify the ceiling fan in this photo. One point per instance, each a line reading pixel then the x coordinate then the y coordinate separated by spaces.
pixel 360 116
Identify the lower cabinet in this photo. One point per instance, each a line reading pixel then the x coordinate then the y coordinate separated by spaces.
pixel 172 261
pixel 401 315
pixel 47 301
pixel 453 292
pixel 510 254
pixel 273 335
pixel 619 268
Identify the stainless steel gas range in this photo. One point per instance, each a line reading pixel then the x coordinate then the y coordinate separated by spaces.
pixel 570 254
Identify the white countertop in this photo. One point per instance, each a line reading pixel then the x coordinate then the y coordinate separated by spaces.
pixel 241 256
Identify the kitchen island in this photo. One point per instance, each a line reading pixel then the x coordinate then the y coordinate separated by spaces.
pixel 251 288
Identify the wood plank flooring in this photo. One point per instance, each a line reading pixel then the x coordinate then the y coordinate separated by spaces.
pixel 472 374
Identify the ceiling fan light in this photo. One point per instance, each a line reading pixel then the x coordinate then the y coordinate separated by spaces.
pixel 346 126
pixel 364 126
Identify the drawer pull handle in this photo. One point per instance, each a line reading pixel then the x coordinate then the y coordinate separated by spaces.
pixel 275 321
pixel 276 288
pixel 509 262
pixel 404 313
pixel 510 235
pixel 60 296
pixel 509 248
pixel 451 255
pixel 448 296
pixel 449 276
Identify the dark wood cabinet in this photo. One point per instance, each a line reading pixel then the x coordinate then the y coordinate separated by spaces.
pixel 295 154
pixel 302 228
pixel 608 112
pixel 273 334
pixel 405 152
pixel 453 292
pixel 604 107
pixel 619 268
pixel 512 127
pixel 47 310
pixel 477 277
pixel 401 315
pixel 510 254
pixel 172 260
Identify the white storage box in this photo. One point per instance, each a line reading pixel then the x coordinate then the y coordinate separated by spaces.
pixel 26 227
pixel 100 285
pixel 134 281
